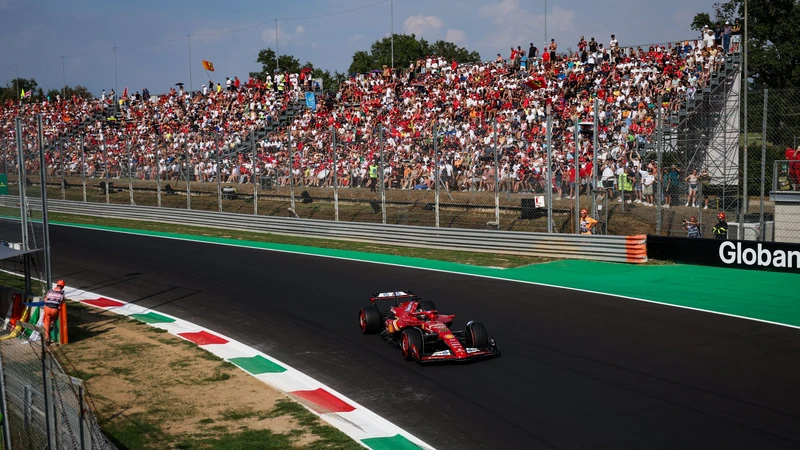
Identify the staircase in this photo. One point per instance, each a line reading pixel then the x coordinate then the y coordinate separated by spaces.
pixel 284 119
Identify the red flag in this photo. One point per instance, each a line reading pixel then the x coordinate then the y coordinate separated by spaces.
pixel 208 65
pixel 125 92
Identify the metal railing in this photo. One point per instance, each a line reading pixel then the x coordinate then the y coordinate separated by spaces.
pixel 786 176
pixel 573 246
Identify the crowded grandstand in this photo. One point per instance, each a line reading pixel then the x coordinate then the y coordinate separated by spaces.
pixel 233 130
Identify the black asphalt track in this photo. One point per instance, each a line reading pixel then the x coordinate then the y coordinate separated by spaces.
pixel 578 371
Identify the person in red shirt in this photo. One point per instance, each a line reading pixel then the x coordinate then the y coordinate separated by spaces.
pixel 794 167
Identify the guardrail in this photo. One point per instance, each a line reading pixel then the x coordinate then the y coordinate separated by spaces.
pixel 629 249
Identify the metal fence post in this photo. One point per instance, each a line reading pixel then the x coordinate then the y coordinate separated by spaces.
pixel 84 436
pixel 496 175
pixel 335 176
pixel 53 405
pixel 763 167
pixel 187 165
pixel 595 144
pixel 549 173
pixel 105 162
pixel 577 179
pixel 47 393
pixel 158 171
pixel 27 406
pixel 45 218
pixel 63 185
pixel 436 176
pixel 130 168
pixel 219 172
pixel 255 172
pixel 22 184
pixel 659 169
pixel 381 177
pixel 291 172
pixel 4 407
pixel 83 169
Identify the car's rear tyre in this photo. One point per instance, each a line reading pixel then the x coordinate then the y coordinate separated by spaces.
pixel 411 344
pixel 370 320
pixel 477 335
pixel 426 305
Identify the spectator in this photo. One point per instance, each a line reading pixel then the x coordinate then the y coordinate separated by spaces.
pixel 726 36
pixel 691 227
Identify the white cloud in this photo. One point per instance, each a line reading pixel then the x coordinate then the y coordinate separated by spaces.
pixel 284 37
pixel 456 36
pixel 514 25
pixel 422 25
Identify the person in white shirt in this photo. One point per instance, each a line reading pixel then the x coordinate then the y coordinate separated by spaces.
pixel 649 180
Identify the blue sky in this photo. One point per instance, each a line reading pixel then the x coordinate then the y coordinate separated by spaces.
pixel 36 33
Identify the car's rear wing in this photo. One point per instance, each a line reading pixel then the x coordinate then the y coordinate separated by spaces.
pixel 395 295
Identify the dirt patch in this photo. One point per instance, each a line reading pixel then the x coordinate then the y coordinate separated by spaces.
pixel 154 390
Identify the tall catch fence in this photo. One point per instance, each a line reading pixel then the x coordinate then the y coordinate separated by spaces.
pixel 43 407
pixel 685 159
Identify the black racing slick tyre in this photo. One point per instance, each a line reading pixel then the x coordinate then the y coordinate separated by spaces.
pixel 426 305
pixel 370 319
pixel 477 335
pixel 411 344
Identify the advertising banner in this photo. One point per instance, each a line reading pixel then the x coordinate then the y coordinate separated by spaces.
pixel 772 256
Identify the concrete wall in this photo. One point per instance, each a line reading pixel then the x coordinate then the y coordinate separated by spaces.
pixel 787 222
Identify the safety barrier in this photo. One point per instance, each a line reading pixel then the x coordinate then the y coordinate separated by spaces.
pixel 627 249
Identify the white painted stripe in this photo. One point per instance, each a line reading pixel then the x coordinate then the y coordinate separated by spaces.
pixel 359 424
pixel 537 283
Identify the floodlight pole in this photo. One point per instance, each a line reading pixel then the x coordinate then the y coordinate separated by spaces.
pixel 45 220
pixel 391 6
pixel 277 63
pixel 189 40
pixel 23 213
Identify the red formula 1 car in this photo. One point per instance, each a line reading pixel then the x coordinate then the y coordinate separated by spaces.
pixel 415 327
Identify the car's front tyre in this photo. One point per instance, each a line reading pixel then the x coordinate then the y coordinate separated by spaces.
pixel 411 344
pixel 477 335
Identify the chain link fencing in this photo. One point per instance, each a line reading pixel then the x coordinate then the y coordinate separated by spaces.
pixel 43 406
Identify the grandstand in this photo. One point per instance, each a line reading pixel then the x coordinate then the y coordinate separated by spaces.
pixel 465 110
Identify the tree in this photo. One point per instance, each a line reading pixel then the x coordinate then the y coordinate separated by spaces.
pixel 773 62
pixel 266 57
pixel 451 51
pixel 407 49
pixel 14 88
pixel 68 92
pixel 774 44
pixel 700 21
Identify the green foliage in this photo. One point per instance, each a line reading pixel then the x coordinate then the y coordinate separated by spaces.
pixel 289 63
pixel 13 88
pixel 407 49
pixel 266 57
pixel 9 91
pixel 774 44
pixel 700 20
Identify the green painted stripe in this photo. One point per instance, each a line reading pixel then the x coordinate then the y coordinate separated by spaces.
pixel 768 296
pixel 396 442
pixel 152 318
pixel 257 365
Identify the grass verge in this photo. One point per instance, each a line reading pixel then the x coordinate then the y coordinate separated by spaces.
pixel 151 391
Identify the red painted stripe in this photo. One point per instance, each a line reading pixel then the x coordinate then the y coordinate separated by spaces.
pixel 203 338
pixel 103 302
pixel 323 401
